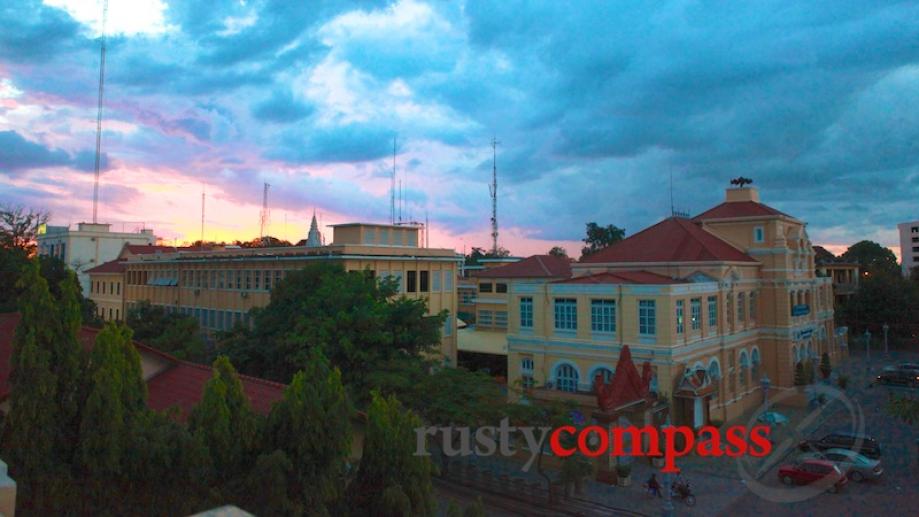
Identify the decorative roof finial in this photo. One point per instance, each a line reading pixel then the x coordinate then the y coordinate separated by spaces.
pixel 741 181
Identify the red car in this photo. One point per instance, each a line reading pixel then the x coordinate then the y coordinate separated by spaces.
pixel 810 471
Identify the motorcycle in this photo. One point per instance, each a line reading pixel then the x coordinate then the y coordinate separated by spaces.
pixel 684 493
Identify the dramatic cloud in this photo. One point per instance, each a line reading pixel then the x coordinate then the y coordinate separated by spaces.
pixel 595 106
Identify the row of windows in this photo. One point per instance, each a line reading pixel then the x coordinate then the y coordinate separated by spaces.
pixel 566 376
pixel 488 287
pixel 99 287
pixel 421 281
pixel 492 319
pixel 113 315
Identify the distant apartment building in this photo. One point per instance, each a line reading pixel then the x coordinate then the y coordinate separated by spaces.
pixel 909 246
pixel 714 304
pixel 218 287
pixel 88 246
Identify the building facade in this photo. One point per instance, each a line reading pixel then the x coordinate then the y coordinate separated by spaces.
pixel 219 287
pixel 88 246
pixel 715 304
pixel 909 246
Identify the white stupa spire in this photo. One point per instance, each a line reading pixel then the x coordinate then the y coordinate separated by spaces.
pixel 314 238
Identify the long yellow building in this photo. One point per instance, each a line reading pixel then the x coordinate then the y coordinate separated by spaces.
pixel 715 304
pixel 219 287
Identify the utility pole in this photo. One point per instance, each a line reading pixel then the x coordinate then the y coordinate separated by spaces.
pixel 392 186
pixel 99 114
pixel 493 189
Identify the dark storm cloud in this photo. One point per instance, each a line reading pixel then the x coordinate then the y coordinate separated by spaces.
pixel 18 154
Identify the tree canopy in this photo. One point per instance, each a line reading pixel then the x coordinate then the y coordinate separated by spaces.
pixel 599 237
pixel 170 332
pixel 872 257
pixel 558 251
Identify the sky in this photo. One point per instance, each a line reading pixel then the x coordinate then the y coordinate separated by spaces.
pixel 595 106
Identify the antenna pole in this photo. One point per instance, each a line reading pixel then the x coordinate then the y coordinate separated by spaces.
pixel 400 201
pixel 672 210
pixel 99 114
pixel 264 217
pixel 427 230
pixel 493 188
pixel 202 217
pixel 392 185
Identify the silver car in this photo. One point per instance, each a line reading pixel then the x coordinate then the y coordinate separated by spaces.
pixel 857 467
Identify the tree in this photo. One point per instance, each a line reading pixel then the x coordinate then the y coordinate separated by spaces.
pixel 872 257
pixel 904 408
pixel 117 397
pixel 825 367
pixel 19 227
pixel 880 299
pixel 311 428
pixel 599 237
pixel 390 474
pixel 558 251
pixel 173 333
pixel 224 423
pixel 354 319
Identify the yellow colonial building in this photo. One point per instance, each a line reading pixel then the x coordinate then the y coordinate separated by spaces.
pixel 218 287
pixel 714 303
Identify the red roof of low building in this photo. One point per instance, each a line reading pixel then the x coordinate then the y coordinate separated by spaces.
pixel 536 266
pixel 626 386
pixel 672 240
pixel 180 384
pixel 623 277
pixel 735 209
pixel 112 266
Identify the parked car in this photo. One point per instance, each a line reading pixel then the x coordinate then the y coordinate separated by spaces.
pixel 861 443
pixel 853 464
pixel 809 471
pixel 899 376
pixel 908 366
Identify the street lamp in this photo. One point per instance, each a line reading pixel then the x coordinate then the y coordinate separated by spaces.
pixel 667 508
pixel 886 327
pixel 765 383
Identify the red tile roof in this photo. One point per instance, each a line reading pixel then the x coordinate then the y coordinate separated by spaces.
pixel 672 240
pixel 113 266
pixel 536 266
pixel 626 386
pixel 623 277
pixel 734 209
pixel 180 384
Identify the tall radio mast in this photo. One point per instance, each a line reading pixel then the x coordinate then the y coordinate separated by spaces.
pixel 99 114
pixel 263 218
pixel 493 189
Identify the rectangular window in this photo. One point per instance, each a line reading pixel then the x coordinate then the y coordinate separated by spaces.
pixel 566 314
pixel 526 312
pixel 759 235
pixel 213 283
pixel 384 236
pixel 647 317
pixel 485 318
pixel 248 275
pixel 448 281
pixel 448 325
pixel 603 315
pixel 411 281
pixel 435 281
pixel 485 287
pixel 400 285
pixel 278 274
pixel 118 288
pixel 741 308
pixel 239 279
pixel 695 312
pixel 679 317
pixel 500 288
pixel 501 319
pixel 424 281
pixel 267 280
pixel 258 279
pixel 753 305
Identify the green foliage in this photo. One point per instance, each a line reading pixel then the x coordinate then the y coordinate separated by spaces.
pixel 224 423
pixel 882 299
pixel 349 316
pixel 389 468
pixel 872 257
pixel 558 251
pixel 311 427
pixel 476 509
pixel 170 332
pixel 825 367
pixel 599 237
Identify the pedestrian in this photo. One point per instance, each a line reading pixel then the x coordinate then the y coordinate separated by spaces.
pixel 654 488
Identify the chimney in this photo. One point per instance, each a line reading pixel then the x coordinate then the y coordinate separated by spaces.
pixel 737 194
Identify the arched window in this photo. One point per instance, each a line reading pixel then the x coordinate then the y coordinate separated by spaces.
pixel 566 378
pixel 741 308
pixel 753 307
pixel 744 368
pixel 605 373
pixel 714 373
pixel 755 359
pixel 526 372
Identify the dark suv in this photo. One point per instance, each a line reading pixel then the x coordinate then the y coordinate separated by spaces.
pixel 860 443
pixel 900 376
